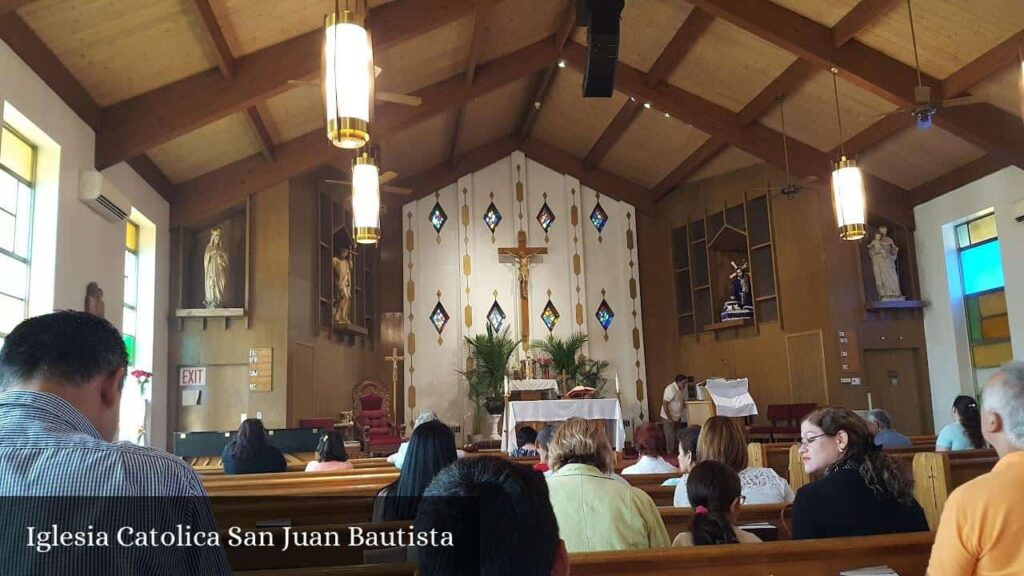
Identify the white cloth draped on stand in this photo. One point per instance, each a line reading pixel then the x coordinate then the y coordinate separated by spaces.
pixel 562 410
pixel 731 397
pixel 533 384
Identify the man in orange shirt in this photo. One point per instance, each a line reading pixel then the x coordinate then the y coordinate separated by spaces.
pixel 982 522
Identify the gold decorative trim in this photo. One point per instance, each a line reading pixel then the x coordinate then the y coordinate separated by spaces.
pixel 630 245
pixel 410 297
pixel 577 259
pixel 467 264
pixel 520 196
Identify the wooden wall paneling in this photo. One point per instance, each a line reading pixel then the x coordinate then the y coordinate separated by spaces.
pixel 301 370
pixel 661 353
pixel 805 354
pixel 730 159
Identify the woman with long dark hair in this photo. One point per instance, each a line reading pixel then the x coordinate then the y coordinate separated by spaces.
pixel 431 448
pixel 964 433
pixel 863 491
pixel 714 490
pixel 250 453
pixel 330 454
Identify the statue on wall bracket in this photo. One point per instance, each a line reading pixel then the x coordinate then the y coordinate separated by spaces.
pixel 343 264
pixel 215 267
pixel 883 252
pixel 740 305
pixel 94 300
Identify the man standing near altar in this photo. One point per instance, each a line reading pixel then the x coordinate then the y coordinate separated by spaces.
pixel 673 409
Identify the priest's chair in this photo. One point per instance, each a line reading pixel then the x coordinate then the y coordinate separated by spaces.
pixel 376 431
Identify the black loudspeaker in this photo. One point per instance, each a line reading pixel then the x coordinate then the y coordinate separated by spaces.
pixel 602 20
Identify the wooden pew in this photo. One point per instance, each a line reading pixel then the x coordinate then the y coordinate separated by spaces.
pixel 907 554
pixel 937 474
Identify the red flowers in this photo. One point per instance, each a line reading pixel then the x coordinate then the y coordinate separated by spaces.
pixel 141 375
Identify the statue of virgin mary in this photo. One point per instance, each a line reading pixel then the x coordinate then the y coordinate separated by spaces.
pixel 215 267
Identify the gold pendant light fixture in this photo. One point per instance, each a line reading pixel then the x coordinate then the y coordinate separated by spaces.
pixel 348 78
pixel 848 196
pixel 365 199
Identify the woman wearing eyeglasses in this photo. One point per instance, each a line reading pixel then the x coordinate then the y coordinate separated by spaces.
pixel 862 490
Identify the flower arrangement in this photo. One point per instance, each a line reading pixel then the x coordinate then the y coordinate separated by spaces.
pixel 143 378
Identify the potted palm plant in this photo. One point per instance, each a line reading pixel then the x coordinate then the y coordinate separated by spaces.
pixel 490 352
pixel 564 354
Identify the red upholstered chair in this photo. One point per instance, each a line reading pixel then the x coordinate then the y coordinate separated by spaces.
pixel 371 406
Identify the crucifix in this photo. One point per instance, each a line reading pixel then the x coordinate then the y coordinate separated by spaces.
pixel 523 256
pixel 394 359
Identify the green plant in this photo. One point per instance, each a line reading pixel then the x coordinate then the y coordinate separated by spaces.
pixel 563 353
pixel 591 375
pixel 490 352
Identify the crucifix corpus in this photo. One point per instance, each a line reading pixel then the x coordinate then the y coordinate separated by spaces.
pixel 523 256
pixel 394 359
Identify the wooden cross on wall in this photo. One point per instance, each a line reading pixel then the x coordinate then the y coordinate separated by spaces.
pixel 523 256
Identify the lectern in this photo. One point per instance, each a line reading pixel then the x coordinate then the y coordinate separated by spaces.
pixel 698 412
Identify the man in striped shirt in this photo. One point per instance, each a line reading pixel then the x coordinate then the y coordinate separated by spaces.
pixel 61 377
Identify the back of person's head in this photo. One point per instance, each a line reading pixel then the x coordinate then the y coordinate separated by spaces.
pixel 66 348
pixel 688 444
pixel 886 476
pixel 680 378
pixel 1004 395
pixel 722 440
pixel 500 518
pixel 713 489
pixel 580 441
pixel 545 436
pixel 431 448
pixel 425 416
pixel 252 437
pixel 650 440
pixel 966 408
pixel 881 418
pixel 526 435
pixel 331 447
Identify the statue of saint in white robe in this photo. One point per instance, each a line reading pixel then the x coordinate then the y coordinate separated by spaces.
pixel 883 252
pixel 215 266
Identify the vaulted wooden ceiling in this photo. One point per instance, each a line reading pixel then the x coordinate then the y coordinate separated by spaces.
pixel 195 94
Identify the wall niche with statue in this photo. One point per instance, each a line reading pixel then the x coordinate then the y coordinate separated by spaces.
pixel 346 270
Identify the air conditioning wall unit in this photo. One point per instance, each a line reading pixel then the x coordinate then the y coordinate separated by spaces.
pixel 102 196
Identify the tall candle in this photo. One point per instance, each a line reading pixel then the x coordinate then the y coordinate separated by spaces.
pixel 616 383
pixel 506 385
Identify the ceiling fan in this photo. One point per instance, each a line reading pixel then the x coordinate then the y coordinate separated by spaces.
pixel 791 188
pixel 924 109
pixel 384 179
pixel 381 96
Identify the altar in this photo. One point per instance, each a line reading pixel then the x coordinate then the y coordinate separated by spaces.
pixel 607 409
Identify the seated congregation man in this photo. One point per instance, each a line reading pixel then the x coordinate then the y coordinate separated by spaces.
pixel 979 532
pixel 61 377
pixel 880 424
pixel 500 517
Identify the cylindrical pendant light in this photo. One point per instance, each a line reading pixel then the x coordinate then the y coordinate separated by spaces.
pixel 348 71
pixel 365 199
pixel 848 196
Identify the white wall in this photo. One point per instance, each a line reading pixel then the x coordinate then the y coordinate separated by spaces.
pixel 87 247
pixel 949 361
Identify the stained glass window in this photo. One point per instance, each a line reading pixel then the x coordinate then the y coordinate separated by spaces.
pixel 550 315
pixel 546 217
pixel 496 317
pixel 599 217
pixel 438 217
pixel 605 314
pixel 982 267
pixel 439 318
pixel 492 217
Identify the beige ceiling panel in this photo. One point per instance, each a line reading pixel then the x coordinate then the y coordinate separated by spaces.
pixel 251 25
pixel 811 111
pixel 493 115
pixel 121 48
pixel 571 122
pixel 950 33
pixel 651 147
pixel 513 24
pixel 646 28
pixel 914 156
pixel 208 148
pixel 419 147
pixel 293 113
pixel 729 66
pixel 824 12
pixel 1004 90
pixel 427 59
pixel 730 159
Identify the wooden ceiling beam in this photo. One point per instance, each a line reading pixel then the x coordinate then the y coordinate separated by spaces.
pixel 151 119
pixel 225 60
pixel 956 178
pixel 984 66
pixel 863 14
pixel 12 5
pixel 474 54
pixel 796 74
pixel 151 173
pixel 215 191
pixel 873 135
pixel 255 121
pixel 30 48
pixel 540 91
pixel 983 125
pixel 625 116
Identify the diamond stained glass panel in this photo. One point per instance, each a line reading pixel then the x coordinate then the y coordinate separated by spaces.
pixel 550 315
pixel 599 217
pixel 605 314
pixel 546 217
pixel 496 317
pixel 438 217
pixel 492 217
pixel 439 318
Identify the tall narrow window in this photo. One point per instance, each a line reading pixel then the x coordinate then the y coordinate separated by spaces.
pixel 129 323
pixel 981 273
pixel 17 175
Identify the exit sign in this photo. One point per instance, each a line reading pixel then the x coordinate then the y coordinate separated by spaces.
pixel 192 376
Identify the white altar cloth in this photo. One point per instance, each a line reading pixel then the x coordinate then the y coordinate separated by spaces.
pixel 561 410
pixel 533 384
